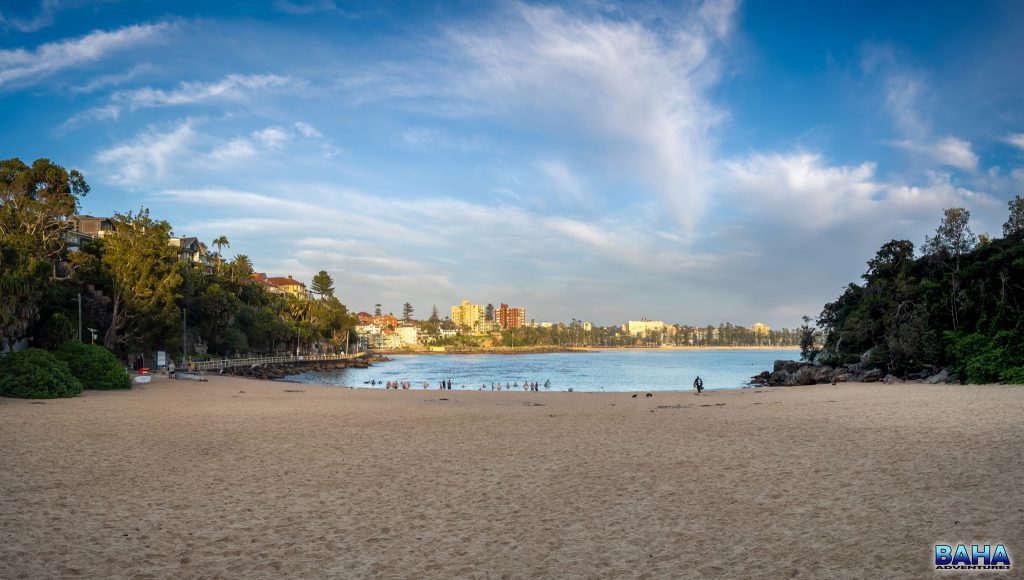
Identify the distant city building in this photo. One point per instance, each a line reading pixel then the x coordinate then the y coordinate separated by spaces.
pixel 407 334
pixel 507 317
pixel 447 332
pixel 643 326
pixel 588 326
pixel 467 314
pixel 760 329
pixel 546 324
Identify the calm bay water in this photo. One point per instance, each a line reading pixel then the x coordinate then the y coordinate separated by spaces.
pixel 620 370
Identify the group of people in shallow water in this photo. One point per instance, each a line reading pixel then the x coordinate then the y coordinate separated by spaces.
pixel 446 385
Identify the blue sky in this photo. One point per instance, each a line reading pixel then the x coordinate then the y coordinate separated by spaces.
pixel 695 162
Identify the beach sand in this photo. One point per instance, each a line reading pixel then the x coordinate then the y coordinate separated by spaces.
pixel 240 478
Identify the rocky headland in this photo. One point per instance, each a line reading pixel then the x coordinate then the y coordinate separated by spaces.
pixel 790 373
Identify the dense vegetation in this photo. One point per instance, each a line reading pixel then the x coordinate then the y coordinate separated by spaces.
pixel 135 290
pixel 36 374
pixel 958 305
pixel 94 366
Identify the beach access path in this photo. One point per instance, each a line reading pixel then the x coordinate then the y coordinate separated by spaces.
pixel 247 479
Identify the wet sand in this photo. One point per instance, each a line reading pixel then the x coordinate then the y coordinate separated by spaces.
pixel 239 478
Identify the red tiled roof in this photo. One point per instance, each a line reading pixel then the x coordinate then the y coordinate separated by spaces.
pixel 280 281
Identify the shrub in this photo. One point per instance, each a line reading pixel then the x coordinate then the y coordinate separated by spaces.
pixel 1012 376
pixel 36 374
pixel 93 365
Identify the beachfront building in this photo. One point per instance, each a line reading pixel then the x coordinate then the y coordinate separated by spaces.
pixel 467 314
pixel 643 326
pixel 447 332
pixel 507 317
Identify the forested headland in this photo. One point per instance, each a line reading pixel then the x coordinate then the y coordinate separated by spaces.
pixel 136 293
pixel 956 306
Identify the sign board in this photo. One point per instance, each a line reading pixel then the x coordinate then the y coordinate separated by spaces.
pixel 161 359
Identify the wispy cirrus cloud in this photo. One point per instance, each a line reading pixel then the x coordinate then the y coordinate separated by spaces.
pixel 232 88
pixel 147 157
pixel 21 67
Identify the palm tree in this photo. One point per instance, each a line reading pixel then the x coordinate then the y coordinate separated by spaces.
pixel 240 267
pixel 221 243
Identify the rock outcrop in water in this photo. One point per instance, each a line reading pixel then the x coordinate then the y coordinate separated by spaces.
pixel 789 373
pixel 281 370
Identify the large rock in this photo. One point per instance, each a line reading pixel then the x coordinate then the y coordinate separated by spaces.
pixel 872 376
pixel 824 374
pixel 778 378
pixel 840 377
pixel 789 366
pixel 890 380
pixel 940 377
pixel 805 375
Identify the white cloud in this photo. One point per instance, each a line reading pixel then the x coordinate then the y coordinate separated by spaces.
pixel 260 142
pixel 638 94
pixel 1016 139
pixel 146 158
pixel 799 188
pixel 25 67
pixel 112 79
pixel 948 151
pixel 307 130
pixel 311 7
pixel 231 87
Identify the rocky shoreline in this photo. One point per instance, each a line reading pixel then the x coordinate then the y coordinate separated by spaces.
pixel 277 371
pixel 790 373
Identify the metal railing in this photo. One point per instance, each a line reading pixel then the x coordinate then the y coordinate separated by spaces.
pixel 209 365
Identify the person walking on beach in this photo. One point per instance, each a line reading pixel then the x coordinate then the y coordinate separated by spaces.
pixel 698 384
pixel 171 370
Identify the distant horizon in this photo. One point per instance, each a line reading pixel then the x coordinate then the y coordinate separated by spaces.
pixel 708 160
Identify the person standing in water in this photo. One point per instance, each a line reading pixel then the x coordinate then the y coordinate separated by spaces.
pixel 698 384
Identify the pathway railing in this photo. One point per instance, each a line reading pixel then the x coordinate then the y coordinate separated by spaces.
pixel 211 365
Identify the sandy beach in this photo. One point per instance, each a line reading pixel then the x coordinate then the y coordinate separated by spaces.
pixel 241 479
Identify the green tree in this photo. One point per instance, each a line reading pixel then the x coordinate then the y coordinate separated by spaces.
pixel 221 243
pixel 23 280
pixel 407 312
pixel 140 265
pixel 240 268
pixel 435 318
pixel 1014 225
pixel 953 239
pixel 376 309
pixel 38 202
pixel 323 285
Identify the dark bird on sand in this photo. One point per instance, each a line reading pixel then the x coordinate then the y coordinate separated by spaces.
pixel 648 396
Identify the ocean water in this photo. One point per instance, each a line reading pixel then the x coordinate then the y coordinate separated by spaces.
pixel 613 371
